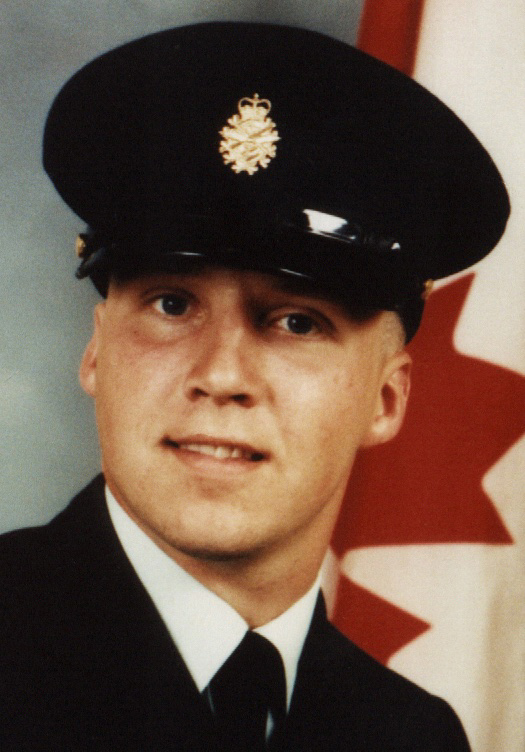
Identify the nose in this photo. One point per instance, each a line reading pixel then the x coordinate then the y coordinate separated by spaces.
pixel 225 368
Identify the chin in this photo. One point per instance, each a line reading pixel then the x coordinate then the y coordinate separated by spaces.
pixel 216 554
pixel 213 549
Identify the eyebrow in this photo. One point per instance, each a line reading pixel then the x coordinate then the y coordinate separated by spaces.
pixel 357 310
pixel 285 284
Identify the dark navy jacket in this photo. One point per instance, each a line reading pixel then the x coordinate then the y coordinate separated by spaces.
pixel 86 662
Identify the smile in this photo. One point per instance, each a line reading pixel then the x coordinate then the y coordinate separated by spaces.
pixel 218 451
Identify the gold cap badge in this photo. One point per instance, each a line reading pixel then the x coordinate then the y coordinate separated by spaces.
pixel 250 141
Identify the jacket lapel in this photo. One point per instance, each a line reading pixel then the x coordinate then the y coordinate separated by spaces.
pixel 135 690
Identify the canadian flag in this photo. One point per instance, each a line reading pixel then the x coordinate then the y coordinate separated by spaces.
pixel 428 557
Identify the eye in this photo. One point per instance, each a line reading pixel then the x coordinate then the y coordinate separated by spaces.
pixel 299 323
pixel 172 304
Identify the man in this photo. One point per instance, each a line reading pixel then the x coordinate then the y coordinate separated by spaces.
pixel 266 209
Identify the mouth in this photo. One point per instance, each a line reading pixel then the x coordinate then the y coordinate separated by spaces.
pixel 217 449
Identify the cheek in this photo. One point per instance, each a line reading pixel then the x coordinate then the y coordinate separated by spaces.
pixel 349 408
pixel 327 406
pixel 134 382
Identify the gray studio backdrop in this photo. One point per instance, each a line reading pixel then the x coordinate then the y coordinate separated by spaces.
pixel 48 439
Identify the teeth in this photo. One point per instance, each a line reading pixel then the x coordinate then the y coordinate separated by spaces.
pixel 221 452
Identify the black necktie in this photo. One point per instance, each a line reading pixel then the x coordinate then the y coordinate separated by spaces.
pixel 248 686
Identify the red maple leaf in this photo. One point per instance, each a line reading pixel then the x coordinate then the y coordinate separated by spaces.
pixel 425 486
pixel 377 626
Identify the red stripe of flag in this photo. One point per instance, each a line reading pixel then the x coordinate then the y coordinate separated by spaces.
pixel 389 31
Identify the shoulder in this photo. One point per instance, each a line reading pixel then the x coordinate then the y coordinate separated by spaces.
pixel 83 653
pixel 26 552
pixel 364 673
pixel 362 699
pixel 41 568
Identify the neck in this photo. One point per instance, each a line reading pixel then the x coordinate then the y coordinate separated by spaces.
pixel 258 593
pixel 260 585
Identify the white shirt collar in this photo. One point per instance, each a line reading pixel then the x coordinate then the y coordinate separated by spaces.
pixel 206 629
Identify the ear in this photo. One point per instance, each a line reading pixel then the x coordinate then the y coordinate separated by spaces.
pixel 391 401
pixel 87 373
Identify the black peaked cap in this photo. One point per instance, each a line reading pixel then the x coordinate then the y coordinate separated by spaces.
pixel 337 168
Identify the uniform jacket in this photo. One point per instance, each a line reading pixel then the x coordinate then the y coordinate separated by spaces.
pixel 87 664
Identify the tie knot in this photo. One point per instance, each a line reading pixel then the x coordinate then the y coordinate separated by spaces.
pixel 248 686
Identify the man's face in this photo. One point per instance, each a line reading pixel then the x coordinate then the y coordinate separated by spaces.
pixel 230 408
